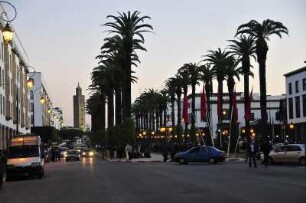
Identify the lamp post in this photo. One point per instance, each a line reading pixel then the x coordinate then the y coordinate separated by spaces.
pixel 7 31
pixel 291 126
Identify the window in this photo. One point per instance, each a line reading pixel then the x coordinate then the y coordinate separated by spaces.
pixel 304 105
pixel 290 88
pixel 297 107
pixel 304 84
pixel 32 107
pixel 290 108
pixel 293 149
pixel 297 86
pixel 31 94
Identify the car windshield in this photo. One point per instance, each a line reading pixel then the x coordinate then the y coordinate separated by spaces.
pixel 72 152
pixel 23 151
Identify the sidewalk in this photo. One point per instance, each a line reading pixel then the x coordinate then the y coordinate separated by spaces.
pixel 155 157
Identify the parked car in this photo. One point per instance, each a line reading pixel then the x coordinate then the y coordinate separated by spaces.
pixel 290 153
pixel 200 154
pixel 73 155
pixel 87 153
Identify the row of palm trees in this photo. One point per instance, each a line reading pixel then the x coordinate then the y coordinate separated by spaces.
pixel 112 78
pixel 223 65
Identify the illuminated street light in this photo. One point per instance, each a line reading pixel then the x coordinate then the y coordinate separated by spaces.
pixel 7 31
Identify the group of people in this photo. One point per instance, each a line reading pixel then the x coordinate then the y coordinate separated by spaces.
pixel 252 150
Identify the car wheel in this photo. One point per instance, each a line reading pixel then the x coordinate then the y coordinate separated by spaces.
pixel 212 160
pixel 41 173
pixel 182 161
pixel 2 179
pixel 302 161
pixel 270 160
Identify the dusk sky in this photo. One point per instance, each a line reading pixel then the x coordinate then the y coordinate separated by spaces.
pixel 63 37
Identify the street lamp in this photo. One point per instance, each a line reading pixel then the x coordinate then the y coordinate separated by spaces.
pixel 7 31
pixel 291 126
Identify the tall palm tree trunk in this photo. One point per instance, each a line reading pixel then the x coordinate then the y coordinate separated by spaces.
pixel 179 109
pixel 172 113
pixel 246 99
pixel 118 106
pixel 263 98
pixel 208 93
pixel 193 129
pixel 110 110
pixel 220 92
pixel 126 93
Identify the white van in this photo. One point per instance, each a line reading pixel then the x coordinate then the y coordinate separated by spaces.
pixel 25 157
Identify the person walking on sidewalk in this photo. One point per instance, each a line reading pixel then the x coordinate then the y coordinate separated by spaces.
pixel 252 149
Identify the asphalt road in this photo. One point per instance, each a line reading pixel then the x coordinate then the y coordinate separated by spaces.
pixel 108 182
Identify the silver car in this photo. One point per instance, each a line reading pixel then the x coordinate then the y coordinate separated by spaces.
pixel 290 153
pixel 73 155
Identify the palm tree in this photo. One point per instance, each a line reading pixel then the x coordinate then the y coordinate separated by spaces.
pixel 171 87
pixel 244 48
pixel 219 60
pixel 130 28
pixel 193 70
pixel 178 90
pixel 231 72
pixel 185 81
pixel 163 101
pixel 95 109
pixel 261 33
pixel 206 76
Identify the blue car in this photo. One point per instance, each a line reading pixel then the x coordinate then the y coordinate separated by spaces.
pixel 200 154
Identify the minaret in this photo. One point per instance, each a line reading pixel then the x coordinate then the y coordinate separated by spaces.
pixel 79 108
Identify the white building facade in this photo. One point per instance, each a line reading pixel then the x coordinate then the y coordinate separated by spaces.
pixel 42 111
pixel 14 95
pixel 273 104
pixel 296 102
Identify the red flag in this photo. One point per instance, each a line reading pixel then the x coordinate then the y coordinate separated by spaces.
pixel 185 109
pixel 247 114
pixel 203 105
pixel 235 109
pixel 219 110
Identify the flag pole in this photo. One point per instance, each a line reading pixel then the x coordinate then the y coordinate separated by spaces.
pixel 229 133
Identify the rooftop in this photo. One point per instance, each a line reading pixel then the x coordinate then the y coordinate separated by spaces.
pixel 295 72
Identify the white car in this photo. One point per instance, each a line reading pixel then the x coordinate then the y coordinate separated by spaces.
pixel 73 155
pixel 290 153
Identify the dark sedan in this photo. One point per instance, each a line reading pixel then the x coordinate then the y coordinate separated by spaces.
pixel 200 154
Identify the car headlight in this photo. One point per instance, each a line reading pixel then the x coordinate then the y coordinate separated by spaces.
pixel 84 153
pixel 35 164
pixel 91 153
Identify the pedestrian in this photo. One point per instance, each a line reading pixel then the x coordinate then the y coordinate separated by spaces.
pixel 252 149
pixel 172 150
pixel 2 168
pixel 165 151
pixel 266 148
